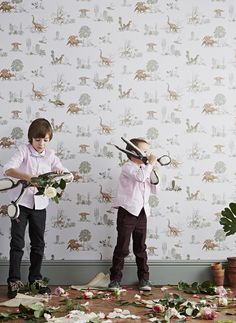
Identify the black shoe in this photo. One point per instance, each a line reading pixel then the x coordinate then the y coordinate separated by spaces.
pixel 40 286
pixel 14 287
pixel 145 285
pixel 113 285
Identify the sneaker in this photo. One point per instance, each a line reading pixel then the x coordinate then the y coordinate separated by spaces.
pixel 113 285
pixel 145 285
pixel 40 286
pixel 14 287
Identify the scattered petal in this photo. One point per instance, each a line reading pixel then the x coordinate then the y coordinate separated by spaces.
pixel 137 297
pixel 221 291
pixel 164 288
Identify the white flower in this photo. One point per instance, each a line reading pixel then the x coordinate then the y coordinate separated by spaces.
pixel 126 312
pixel 222 301
pixel 117 310
pixel 47 316
pixel 172 312
pixel 203 301
pixel 59 291
pixel 50 192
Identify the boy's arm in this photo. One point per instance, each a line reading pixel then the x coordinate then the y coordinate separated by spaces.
pixel 57 166
pixel 12 172
pixel 11 167
pixel 140 174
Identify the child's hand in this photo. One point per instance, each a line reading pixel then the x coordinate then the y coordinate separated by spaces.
pixel 58 171
pixel 33 180
pixel 29 176
pixel 152 159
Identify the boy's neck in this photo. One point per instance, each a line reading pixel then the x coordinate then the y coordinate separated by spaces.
pixel 136 161
pixel 33 150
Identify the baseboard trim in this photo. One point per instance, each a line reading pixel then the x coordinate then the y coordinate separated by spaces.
pixel 65 272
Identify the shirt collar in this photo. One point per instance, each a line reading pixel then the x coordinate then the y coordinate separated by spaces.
pixel 35 153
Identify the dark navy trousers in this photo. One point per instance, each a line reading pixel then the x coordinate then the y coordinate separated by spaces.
pixel 36 219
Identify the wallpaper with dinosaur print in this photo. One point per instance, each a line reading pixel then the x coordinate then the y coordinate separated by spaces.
pixel 102 69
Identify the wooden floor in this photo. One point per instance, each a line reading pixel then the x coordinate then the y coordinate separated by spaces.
pixel 111 301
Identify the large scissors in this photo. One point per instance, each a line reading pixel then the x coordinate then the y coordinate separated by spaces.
pixel 164 160
pixel 13 209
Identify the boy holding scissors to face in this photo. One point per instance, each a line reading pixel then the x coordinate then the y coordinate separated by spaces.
pixel 134 189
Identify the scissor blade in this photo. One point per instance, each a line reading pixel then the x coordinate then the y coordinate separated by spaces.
pixel 128 152
pixel 136 149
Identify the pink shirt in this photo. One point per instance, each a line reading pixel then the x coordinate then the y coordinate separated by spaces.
pixel 134 188
pixel 28 160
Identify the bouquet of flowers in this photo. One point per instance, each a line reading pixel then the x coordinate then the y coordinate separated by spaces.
pixel 51 185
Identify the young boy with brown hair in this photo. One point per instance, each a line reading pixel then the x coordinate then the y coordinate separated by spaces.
pixel 29 161
pixel 134 189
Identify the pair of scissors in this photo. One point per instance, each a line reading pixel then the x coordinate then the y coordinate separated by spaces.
pixel 164 160
pixel 13 209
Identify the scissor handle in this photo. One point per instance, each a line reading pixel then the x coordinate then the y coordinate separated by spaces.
pixel 163 160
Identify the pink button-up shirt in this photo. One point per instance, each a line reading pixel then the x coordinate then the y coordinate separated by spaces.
pixel 134 188
pixel 28 160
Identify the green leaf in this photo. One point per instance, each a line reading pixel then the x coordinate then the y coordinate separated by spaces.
pixel 70 304
pixel 196 288
pixel 56 199
pixel 62 184
pixel 36 306
pixel 233 207
pixel 228 219
pixel 4 315
pixel 55 185
pixel 123 302
pixel 23 309
pixel 189 311
pixel 195 312
pixel 40 192
pixel 38 313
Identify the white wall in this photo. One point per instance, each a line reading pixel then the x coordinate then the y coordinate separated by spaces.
pixel 115 73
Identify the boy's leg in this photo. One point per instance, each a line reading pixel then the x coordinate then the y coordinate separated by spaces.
pixel 37 222
pixel 17 245
pixel 126 223
pixel 139 246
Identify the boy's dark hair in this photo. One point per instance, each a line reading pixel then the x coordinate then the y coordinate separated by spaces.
pixel 135 141
pixel 39 128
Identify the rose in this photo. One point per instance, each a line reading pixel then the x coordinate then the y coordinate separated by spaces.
pixel 88 295
pixel 207 313
pixel 158 308
pixel 59 291
pixel 221 291
pixel 50 192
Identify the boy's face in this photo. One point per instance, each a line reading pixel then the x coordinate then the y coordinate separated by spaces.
pixel 144 147
pixel 39 144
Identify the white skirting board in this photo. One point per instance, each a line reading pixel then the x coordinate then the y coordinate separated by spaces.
pixel 65 272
